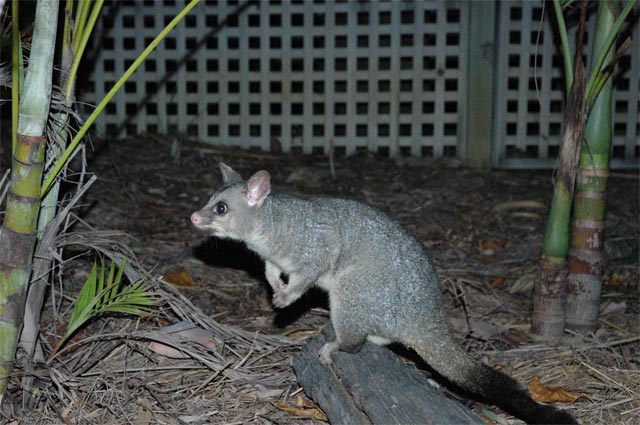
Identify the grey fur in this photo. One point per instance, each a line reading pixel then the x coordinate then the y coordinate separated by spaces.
pixel 380 280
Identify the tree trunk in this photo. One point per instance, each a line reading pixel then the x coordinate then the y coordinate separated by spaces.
pixel 18 234
pixel 586 256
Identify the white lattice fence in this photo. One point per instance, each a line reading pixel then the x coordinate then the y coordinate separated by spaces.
pixel 390 77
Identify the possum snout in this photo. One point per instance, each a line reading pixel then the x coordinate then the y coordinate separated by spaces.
pixel 196 219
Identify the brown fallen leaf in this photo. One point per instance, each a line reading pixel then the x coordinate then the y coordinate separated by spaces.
pixel 421 230
pixel 515 337
pixel 513 208
pixel 167 351
pixel 180 279
pixel 492 244
pixel 511 205
pixel 182 330
pixel 498 282
pixel 489 247
pixel 309 410
pixel 618 280
pixel 72 344
pixel 144 415
pixel 543 394
pixel 303 402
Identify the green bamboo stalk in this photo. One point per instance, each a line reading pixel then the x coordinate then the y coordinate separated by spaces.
pixel 85 19
pixel 549 289
pixel 29 339
pixel 72 51
pixel 586 257
pixel 16 73
pixel 18 233
pixel 549 296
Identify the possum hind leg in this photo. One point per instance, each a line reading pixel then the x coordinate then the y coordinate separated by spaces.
pixel 348 340
pixel 351 332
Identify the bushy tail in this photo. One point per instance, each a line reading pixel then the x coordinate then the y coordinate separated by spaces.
pixel 450 360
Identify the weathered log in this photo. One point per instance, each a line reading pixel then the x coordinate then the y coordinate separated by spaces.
pixel 373 386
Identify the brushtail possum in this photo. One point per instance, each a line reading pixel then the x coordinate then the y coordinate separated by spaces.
pixel 381 282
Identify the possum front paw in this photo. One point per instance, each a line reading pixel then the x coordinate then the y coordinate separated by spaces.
pixel 326 351
pixel 281 298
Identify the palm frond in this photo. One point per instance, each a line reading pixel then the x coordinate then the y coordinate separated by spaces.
pixel 102 293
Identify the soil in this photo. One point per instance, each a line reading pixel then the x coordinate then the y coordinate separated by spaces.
pixel 484 244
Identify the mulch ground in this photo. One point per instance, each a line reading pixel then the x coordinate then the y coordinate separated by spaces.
pixel 484 230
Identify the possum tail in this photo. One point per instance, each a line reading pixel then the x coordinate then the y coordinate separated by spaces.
pixel 452 362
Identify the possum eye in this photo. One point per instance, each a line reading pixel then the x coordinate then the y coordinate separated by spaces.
pixel 221 208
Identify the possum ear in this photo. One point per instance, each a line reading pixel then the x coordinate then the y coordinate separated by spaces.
pixel 229 175
pixel 258 187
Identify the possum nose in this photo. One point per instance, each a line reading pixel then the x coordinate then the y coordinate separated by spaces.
pixel 196 218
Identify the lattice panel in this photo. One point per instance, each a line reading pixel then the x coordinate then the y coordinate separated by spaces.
pixel 529 85
pixel 382 76
pixel 306 75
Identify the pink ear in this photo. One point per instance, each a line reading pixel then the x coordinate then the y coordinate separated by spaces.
pixel 258 187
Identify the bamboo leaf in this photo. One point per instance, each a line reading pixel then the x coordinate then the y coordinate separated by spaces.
pixel 566 51
pixel 81 19
pixel 81 38
pixel 602 54
pixel 605 74
pixel 566 4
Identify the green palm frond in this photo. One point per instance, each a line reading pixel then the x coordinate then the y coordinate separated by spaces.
pixel 103 293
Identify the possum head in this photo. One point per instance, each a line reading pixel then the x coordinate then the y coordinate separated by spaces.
pixel 231 212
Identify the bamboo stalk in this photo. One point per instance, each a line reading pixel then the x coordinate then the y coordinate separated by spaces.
pixel 586 254
pixel 18 233
pixel 549 296
pixel 16 72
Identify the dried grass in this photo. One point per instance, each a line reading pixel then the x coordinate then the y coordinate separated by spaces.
pixel 108 377
pixel 602 369
pixel 114 376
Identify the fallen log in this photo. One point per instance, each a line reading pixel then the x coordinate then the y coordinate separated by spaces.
pixel 373 386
